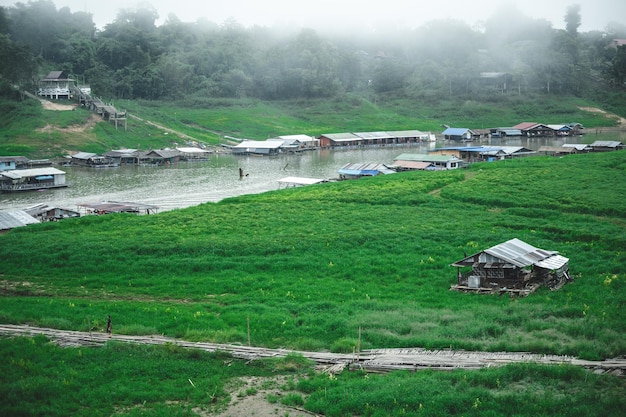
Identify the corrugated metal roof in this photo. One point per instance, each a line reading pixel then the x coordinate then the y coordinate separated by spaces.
pixel 17 218
pixel 13 159
pixel 163 153
pixel 300 138
pixel 192 150
pixel 578 146
pixel 414 164
pixel 556 149
pixel 606 144
pixel 84 155
pixel 33 172
pixel 456 131
pixel 260 144
pixel 367 168
pixel 374 135
pixel 300 180
pixel 511 132
pixel 553 262
pixel 425 157
pixel 560 127
pixel 408 133
pixel 519 253
pixel 341 136
pixel 525 125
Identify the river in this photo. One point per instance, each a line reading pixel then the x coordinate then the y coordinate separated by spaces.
pixel 191 183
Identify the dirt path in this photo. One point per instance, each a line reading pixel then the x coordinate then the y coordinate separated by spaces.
pixel 621 120
pixel 161 127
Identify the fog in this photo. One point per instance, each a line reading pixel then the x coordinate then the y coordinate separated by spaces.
pixel 351 14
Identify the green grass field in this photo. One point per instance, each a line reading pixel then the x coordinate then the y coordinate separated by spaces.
pixel 310 266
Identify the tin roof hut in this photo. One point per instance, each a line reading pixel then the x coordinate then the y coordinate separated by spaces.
pixel 513 266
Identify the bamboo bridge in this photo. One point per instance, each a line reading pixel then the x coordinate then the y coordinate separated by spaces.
pixel 374 360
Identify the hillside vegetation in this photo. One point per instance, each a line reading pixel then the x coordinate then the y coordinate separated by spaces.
pixel 32 131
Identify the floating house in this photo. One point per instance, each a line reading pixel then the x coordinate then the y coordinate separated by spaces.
pixel 504 132
pixel 513 266
pixel 412 136
pixel 557 150
pixel 606 145
pixel 438 162
pixel 461 134
pixel 124 156
pixel 32 179
pixel 580 147
pixel 395 137
pixel 258 147
pixel 292 182
pixel 531 129
pixel 13 162
pixel 109 207
pixel 368 169
pixel 329 140
pixel 46 213
pixel 15 218
pixel 483 153
pixel 576 128
pixel 192 153
pixel 304 141
pixel 92 160
pixel 159 157
pixel 560 130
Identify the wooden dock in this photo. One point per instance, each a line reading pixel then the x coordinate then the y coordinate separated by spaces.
pixel 374 360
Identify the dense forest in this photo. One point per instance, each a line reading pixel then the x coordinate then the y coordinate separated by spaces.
pixel 134 58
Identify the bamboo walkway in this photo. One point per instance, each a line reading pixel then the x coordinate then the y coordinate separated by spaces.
pixel 375 360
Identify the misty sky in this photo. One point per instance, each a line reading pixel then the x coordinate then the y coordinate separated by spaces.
pixel 596 14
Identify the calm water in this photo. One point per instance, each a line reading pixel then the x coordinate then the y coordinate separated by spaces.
pixel 191 183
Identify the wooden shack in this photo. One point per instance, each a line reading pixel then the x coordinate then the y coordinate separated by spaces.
pixel 513 266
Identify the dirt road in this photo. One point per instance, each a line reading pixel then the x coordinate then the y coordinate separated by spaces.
pixel 376 360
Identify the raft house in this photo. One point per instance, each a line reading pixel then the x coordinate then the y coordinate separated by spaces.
pixel 109 207
pixel 32 179
pixel 292 182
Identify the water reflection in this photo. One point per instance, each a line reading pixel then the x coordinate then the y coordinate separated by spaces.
pixel 191 183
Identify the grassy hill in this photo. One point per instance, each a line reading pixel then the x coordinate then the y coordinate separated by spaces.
pixel 29 130
pixel 311 268
pixel 308 268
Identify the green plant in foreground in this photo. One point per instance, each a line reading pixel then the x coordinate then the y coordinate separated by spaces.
pixel 371 254
pixel 362 263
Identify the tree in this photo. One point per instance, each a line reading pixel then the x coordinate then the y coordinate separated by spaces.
pixel 572 19
pixel 618 66
pixel 18 66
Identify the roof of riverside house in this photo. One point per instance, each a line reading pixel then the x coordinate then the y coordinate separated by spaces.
pixel 15 218
pixel 84 155
pixel 525 125
pixel 425 157
pixel 367 168
pixel 521 254
pixel 456 131
pixel 338 137
pixel 33 172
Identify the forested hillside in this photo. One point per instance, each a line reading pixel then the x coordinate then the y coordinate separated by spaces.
pixel 134 58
